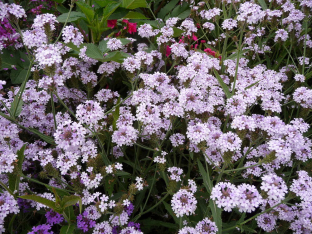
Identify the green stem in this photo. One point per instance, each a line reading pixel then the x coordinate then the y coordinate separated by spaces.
pixel 160 201
pixel 71 6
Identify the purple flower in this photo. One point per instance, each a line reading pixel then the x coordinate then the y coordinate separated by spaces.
pixel 225 195
pixel 41 229
pixel 129 209
pixel 53 217
pixel 84 223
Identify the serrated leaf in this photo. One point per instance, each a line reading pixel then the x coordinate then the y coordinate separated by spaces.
pixel 42 200
pixel 70 201
pixel 74 15
pixel 62 9
pixel 177 32
pixel 87 10
pixel 109 10
pixel 18 76
pixel 118 13
pixel 133 4
pixel 104 3
pixel 9 59
pixel 117 56
pixel 135 15
pixel 103 46
pixel 94 52
pixel 167 8
pixel 67 229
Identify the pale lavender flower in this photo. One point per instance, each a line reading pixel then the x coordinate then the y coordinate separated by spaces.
pixel 266 221
pixel 102 228
pixel 72 34
pixel 48 55
pixel 225 195
pixel 206 227
pixel 183 203
pixel 188 230
pixel 248 198
pixel 125 135
pixel 274 186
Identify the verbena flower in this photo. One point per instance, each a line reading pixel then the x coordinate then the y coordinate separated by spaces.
pixel 183 203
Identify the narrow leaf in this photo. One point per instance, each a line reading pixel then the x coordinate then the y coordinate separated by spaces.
pixel 222 84
pixel 42 200
pixel 68 229
pixel 167 8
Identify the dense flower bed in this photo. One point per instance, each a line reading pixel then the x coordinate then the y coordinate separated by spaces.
pixel 137 116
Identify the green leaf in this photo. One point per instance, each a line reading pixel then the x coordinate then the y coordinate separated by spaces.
pixel 119 13
pixel 177 32
pixel 117 56
pixel 16 105
pixel 44 137
pixel 133 4
pixel 109 10
pixel 18 76
pixel 103 46
pixel 263 4
pixel 167 8
pixel 122 173
pixel 42 200
pixel 116 115
pixel 223 85
pixel 179 9
pixel 74 15
pixel 68 229
pixel 9 59
pixel 216 214
pixel 109 184
pixel 135 15
pixel 62 9
pixel 70 201
pixel 94 52
pixel 87 10
pixel 59 1
pixel 7 117
pixel 184 14
pixel 14 178
pixel 155 223
pixel 124 41
pixel 206 179
pixel 170 211
pixel 104 3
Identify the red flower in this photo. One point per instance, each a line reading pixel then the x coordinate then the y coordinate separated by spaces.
pixel 168 51
pixel 131 26
pixel 111 23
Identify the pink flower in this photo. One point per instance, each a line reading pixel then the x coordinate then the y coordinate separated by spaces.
pixel 130 26
pixel 111 23
pixel 168 51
